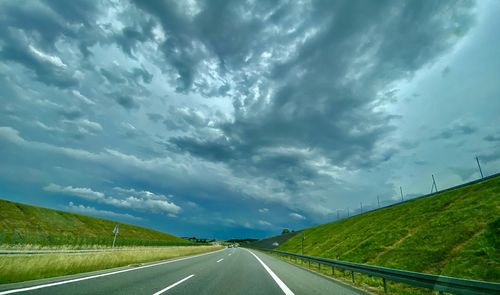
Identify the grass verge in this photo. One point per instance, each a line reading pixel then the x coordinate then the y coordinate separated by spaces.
pixel 18 268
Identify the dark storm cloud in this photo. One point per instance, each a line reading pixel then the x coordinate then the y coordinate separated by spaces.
pixel 130 37
pixel 492 138
pixel 126 101
pixel 146 76
pixel 320 97
pixel 211 150
pixel 154 117
pixel 232 106
pixel 45 72
pixel 47 21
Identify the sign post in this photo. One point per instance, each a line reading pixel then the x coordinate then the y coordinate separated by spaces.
pixel 116 230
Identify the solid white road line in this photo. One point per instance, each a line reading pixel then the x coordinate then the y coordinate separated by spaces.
pixel 278 281
pixel 220 260
pixel 173 285
pixel 100 275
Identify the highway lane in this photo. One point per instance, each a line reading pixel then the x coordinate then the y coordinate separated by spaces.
pixel 229 271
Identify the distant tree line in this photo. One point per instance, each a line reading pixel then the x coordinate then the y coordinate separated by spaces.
pixel 242 241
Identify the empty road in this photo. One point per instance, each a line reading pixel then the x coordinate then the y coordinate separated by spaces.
pixel 227 271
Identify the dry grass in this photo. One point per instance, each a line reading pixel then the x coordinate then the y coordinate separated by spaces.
pixel 17 268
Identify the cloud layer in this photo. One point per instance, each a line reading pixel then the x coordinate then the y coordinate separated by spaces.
pixel 241 118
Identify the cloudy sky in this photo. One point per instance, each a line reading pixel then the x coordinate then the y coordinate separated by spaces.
pixel 239 118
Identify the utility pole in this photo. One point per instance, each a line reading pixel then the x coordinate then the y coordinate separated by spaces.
pixel 348 213
pixel 337 214
pixel 401 190
pixel 479 165
pixel 378 201
pixel 361 206
pixel 116 230
pixel 433 184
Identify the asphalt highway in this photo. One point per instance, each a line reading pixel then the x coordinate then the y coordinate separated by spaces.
pixel 228 271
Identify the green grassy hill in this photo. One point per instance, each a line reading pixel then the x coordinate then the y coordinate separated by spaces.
pixel 454 233
pixel 24 224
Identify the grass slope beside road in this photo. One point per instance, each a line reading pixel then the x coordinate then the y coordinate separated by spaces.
pixel 455 233
pixel 19 268
pixel 24 224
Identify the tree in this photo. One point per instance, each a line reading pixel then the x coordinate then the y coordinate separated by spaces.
pixel 285 231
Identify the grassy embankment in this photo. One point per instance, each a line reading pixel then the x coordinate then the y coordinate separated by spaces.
pixel 455 233
pixel 22 225
pixel 18 268
pixel 27 227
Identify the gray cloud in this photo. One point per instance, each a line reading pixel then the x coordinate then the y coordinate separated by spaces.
pixel 456 128
pixel 102 213
pixel 154 117
pixel 297 216
pixel 135 200
pixel 112 76
pixel 239 106
pixel 492 138
pixel 45 71
pixel 325 108
pixel 126 101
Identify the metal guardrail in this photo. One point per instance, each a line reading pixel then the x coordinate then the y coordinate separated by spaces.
pixel 434 282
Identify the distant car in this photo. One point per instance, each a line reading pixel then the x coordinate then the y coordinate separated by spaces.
pixel 276 244
pixel 230 246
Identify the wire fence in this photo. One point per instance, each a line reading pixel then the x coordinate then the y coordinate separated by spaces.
pixel 402 198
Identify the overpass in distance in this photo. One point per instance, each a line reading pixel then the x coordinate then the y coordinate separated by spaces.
pixel 227 271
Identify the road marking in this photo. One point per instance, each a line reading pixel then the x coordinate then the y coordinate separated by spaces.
pixel 278 281
pixel 100 275
pixel 173 285
pixel 220 260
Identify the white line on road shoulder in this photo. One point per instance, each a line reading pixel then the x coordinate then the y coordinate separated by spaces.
pixel 220 260
pixel 173 285
pixel 101 275
pixel 278 281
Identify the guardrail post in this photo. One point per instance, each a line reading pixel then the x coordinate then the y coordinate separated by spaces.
pixel 352 274
pixel 319 266
pixel 333 270
pixel 309 263
pixel 385 285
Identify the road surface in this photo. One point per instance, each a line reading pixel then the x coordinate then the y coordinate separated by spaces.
pixel 227 271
